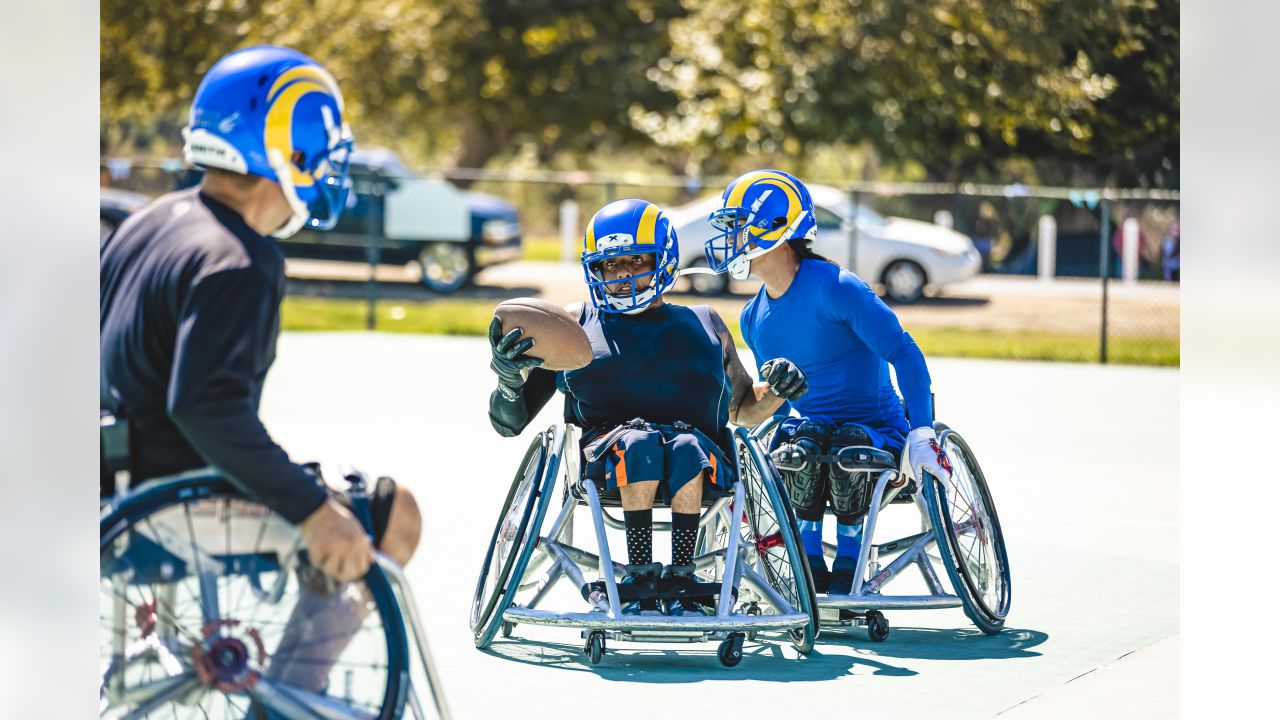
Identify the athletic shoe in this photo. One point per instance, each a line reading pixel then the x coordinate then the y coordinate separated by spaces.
pixel 821 577
pixel 680 576
pixel 842 576
pixel 642 575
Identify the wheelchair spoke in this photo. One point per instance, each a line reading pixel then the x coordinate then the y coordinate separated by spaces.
pixel 295 702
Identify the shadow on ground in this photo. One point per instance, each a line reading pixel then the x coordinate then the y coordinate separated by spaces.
pixel 689 663
pixel 934 644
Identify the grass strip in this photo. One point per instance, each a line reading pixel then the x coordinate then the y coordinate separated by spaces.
pixel 471 317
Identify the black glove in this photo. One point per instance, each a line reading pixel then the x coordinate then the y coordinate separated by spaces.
pixel 509 360
pixel 785 379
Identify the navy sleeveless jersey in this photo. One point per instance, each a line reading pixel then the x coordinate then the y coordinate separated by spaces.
pixel 665 364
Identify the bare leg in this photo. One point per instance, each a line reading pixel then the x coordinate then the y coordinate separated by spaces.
pixel 688 498
pixel 638 495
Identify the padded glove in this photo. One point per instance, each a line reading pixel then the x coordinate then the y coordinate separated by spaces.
pixel 925 455
pixel 785 379
pixel 510 363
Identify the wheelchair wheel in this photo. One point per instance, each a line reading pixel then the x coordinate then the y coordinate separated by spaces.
pixel 973 552
pixel 771 530
pixel 515 536
pixel 208 608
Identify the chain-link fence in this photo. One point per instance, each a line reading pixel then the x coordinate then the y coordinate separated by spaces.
pixel 1058 274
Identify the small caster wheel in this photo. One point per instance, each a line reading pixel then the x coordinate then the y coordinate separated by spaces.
pixel 507 627
pixel 730 652
pixel 595 647
pixel 877 626
pixel 753 610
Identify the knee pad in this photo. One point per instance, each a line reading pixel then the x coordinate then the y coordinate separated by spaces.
pixel 850 493
pixel 806 476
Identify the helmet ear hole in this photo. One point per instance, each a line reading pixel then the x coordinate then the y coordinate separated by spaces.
pixel 778 222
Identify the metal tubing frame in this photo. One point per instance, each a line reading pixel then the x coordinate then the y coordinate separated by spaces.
pixel 568 559
pixel 865 593
pixel 409 606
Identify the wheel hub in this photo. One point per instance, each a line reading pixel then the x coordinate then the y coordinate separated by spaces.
pixel 223 661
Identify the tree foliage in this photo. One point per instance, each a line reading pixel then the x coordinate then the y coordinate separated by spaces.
pixel 960 87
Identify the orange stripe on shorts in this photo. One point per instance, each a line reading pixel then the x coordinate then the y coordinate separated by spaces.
pixel 712 457
pixel 620 470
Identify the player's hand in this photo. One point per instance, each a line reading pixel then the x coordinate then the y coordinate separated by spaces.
pixel 925 454
pixel 785 379
pixel 337 542
pixel 510 363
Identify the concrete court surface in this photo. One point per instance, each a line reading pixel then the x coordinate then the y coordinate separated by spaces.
pixel 1082 463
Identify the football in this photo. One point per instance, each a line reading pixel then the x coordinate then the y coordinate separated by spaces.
pixel 558 339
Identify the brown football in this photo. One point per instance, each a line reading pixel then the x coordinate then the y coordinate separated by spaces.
pixel 558 339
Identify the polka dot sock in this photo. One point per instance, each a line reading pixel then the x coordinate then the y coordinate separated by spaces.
pixel 639 525
pixel 684 532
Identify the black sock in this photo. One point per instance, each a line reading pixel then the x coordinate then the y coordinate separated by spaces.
pixel 684 532
pixel 639 536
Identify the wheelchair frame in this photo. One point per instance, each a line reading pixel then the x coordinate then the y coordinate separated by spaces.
pixel 863 605
pixel 605 618
pixel 178 667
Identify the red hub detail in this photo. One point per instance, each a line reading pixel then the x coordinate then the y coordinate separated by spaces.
pixel 223 661
pixel 764 544
pixel 145 617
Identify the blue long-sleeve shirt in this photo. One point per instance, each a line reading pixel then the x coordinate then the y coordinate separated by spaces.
pixel 843 336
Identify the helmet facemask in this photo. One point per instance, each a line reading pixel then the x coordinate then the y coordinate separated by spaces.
pixel 624 294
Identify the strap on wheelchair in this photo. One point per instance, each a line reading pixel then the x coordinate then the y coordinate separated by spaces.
pixel 361 501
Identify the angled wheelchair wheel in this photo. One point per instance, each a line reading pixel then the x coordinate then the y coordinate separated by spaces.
pixel 515 536
pixel 771 530
pixel 974 555
pixel 209 609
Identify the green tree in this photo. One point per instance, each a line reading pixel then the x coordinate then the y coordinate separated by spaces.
pixel 959 86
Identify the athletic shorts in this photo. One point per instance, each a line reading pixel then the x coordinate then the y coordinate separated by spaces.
pixel 670 458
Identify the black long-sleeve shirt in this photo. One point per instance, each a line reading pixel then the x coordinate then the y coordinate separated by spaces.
pixel 189 315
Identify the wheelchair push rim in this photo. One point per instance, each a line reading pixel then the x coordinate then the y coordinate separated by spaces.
pixel 208 608
pixel 974 551
pixel 771 530
pixel 514 538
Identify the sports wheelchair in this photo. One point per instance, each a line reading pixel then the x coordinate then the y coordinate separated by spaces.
pixel 210 608
pixel 758 576
pixel 957 515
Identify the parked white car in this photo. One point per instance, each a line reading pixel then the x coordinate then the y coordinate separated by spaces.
pixel 905 256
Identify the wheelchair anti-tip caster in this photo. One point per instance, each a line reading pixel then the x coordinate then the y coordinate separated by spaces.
pixel 507 627
pixel 595 646
pixel 877 626
pixel 730 652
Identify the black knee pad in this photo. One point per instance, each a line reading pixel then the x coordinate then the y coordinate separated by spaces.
pixel 807 486
pixel 850 493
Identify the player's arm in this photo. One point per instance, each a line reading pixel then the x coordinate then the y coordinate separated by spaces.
pixel 751 402
pixel 523 387
pixel 878 326
pixel 227 325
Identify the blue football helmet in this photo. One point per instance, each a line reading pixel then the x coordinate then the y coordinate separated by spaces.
pixel 625 228
pixel 761 210
pixel 275 113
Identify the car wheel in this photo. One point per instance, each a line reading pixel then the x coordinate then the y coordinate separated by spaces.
pixel 904 281
pixel 446 266
pixel 106 227
pixel 705 285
